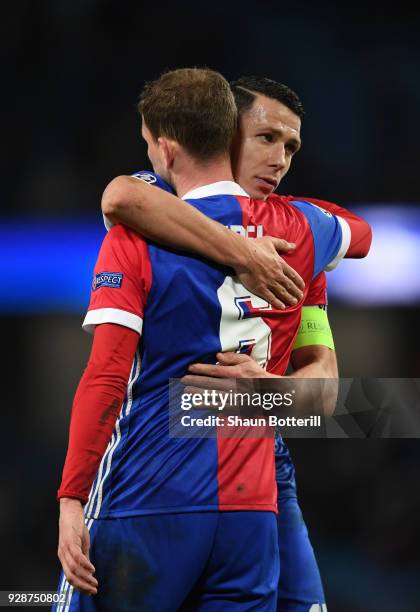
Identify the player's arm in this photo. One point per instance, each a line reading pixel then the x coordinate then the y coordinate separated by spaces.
pixel 361 232
pixel 313 354
pixel 95 410
pixel 235 365
pixel 122 281
pixel 162 217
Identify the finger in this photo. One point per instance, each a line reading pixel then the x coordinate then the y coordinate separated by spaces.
pixel 273 299
pixel 81 577
pixel 230 358
pixel 282 246
pixel 293 276
pixel 78 562
pixel 80 584
pixel 210 370
pixel 82 574
pixel 204 382
pixel 291 288
pixel 281 292
pixel 80 558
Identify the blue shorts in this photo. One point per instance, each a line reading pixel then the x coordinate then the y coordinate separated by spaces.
pixel 207 561
pixel 300 586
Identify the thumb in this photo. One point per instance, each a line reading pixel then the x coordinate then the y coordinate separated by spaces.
pixel 282 246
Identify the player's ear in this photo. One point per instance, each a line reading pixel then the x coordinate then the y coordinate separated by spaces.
pixel 167 151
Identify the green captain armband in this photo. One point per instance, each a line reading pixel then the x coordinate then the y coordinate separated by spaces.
pixel 314 328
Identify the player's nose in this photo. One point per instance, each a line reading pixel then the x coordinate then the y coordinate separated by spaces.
pixel 278 157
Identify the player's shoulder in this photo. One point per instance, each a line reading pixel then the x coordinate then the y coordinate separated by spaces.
pixel 312 203
pixel 286 202
pixel 278 200
pixel 286 207
pixel 124 237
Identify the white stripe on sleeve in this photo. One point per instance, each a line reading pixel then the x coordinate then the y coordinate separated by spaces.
pixel 345 243
pixel 111 315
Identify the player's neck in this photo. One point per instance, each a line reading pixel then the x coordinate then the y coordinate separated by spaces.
pixel 196 174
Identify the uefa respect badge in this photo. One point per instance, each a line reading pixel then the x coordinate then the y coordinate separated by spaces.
pixel 107 279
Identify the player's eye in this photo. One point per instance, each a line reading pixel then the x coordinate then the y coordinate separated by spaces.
pixel 291 149
pixel 267 137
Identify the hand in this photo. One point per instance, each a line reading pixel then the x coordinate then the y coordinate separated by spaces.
pixel 73 547
pixel 231 365
pixel 221 377
pixel 267 275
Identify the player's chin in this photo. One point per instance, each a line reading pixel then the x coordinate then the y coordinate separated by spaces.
pixel 261 190
pixel 258 194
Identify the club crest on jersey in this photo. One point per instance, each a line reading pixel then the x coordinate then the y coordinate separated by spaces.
pixel 107 279
pixel 146 177
pixel 251 306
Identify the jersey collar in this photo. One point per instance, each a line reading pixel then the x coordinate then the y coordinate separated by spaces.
pixel 219 188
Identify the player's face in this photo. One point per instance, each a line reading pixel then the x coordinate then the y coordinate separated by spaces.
pixel 269 136
pixel 154 152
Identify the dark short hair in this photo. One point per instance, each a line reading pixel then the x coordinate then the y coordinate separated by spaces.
pixel 247 88
pixel 195 107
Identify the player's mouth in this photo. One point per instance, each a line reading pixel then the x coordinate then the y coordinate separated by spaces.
pixel 267 184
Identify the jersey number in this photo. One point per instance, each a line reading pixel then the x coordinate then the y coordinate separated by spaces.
pixel 242 328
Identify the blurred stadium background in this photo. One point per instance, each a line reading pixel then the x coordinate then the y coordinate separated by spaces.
pixel 72 72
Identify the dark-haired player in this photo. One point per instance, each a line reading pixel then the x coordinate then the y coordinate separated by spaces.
pixel 269 136
pixel 166 515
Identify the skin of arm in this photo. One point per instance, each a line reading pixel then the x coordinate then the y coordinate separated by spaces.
pixel 314 361
pixel 166 219
pixel 317 361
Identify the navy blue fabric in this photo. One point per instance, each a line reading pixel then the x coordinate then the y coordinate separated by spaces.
pixel 208 561
pixel 300 585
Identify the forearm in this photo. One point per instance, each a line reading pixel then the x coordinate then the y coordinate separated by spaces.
pixel 166 219
pixel 320 363
pixel 96 407
pixel 94 413
pixel 315 366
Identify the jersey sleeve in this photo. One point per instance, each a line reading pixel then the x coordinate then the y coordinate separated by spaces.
pixel 331 235
pixel 151 178
pixel 121 281
pixel 96 406
pixel 361 232
pixel 317 292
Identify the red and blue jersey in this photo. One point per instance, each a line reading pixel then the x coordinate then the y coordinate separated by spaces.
pixel 186 310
